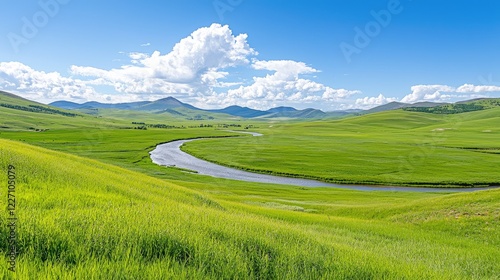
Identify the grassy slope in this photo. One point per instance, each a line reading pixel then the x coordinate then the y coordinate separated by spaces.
pixel 227 229
pixel 18 120
pixel 79 218
pixel 396 147
pixel 125 148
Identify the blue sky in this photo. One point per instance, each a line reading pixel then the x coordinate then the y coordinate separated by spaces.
pixel 329 55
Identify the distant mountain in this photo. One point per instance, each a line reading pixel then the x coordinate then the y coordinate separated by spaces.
pixel 296 114
pixel 158 105
pixel 282 109
pixel 309 113
pixel 97 105
pixel 239 111
pixel 176 107
pixel 399 105
pixel 349 111
pixel 278 112
pixel 386 107
pixel 426 104
pixel 164 104
pixel 66 105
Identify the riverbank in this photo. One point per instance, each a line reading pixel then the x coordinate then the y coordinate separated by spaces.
pixel 171 154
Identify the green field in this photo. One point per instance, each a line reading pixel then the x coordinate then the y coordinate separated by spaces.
pixel 392 148
pixel 91 205
pixel 79 218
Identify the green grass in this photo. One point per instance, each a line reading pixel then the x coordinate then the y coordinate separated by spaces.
pixel 126 148
pixel 457 108
pixel 19 120
pixel 91 205
pixel 82 219
pixel 394 148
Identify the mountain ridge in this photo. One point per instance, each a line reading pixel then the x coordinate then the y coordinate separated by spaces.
pixel 170 103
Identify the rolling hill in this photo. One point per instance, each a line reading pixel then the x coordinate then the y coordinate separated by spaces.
pixel 399 105
pixel 83 219
pixel 17 113
pixel 176 109
pixel 86 212
pixel 459 107
pixel 394 147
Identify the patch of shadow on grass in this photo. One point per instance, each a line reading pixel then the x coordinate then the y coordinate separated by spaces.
pixel 153 248
pixel 261 259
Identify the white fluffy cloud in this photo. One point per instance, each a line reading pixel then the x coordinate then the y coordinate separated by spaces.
pixel 427 93
pixel 285 84
pixel 284 69
pixel 193 64
pixel 467 88
pixel 370 102
pixel 439 93
pixel 197 66
pixel 46 87
pixel 39 85
pixel 200 68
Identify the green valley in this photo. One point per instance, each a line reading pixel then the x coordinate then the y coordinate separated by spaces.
pixel 394 147
pixel 90 204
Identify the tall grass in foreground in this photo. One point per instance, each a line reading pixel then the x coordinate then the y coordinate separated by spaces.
pixel 81 219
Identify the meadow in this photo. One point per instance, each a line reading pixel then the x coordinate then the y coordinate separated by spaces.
pixel 82 219
pixel 389 148
pixel 91 204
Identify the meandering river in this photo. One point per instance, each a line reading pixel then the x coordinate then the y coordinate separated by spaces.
pixel 170 154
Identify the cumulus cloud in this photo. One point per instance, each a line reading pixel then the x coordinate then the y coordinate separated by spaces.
pixel 39 85
pixel 468 88
pixel 197 66
pixel 427 93
pixel 370 102
pixel 437 93
pixel 193 64
pixel 284 69
pixel 200 68
pixel 46 87
pixel 284 84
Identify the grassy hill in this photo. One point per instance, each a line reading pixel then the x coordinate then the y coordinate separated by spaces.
pixel 19 114
pixel 82 219
pixel 460 107
pixel 399 105
pixel 97 208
